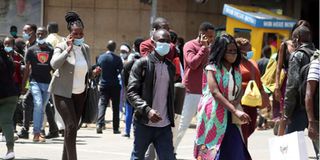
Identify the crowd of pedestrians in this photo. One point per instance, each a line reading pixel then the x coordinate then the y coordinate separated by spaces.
pixel 44 77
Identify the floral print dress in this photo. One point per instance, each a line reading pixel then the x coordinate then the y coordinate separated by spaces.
pixel 213 118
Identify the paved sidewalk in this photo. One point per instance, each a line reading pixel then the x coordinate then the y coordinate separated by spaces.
pixel 107 146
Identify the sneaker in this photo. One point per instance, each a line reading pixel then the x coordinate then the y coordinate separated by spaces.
pixel 52 135
pixel 23 134
pixel 38 138
pixel 9 156
pixel 99 130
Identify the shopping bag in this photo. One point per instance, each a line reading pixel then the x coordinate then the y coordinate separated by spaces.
pixel 234 118
pixel 252 95
pixel 288 147
pixel 90 112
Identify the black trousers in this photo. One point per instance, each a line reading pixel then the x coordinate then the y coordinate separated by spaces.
pixel 107 93
pixel 50 117
pixel 27 105
pixel 70 110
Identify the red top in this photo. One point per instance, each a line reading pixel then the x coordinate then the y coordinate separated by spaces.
pixel 195 58
pixel 17 77
pixel 146 47
pixel 249 69
pixel 176 63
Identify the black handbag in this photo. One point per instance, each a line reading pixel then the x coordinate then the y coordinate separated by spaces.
pixel 179 94
pixel 90 112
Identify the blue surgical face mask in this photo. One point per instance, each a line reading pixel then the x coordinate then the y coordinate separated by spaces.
pixel 26 36
pixel 8 49
pixel 41 41
pixel 162 48
pixel 249 55
pixel 78 42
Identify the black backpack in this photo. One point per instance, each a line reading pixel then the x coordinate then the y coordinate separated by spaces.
pixel 303 87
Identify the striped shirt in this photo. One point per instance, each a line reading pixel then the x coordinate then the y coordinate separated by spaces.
pixel 314 71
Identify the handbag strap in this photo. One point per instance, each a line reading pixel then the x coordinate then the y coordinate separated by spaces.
pixel 252 68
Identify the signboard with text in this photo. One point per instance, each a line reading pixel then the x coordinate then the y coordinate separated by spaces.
pixel 258 19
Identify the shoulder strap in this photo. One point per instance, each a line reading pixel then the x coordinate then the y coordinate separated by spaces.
pixel 252 68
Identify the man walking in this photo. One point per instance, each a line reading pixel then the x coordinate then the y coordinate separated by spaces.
pixel 111 65
pixel 150 91
pixel 38 70
pixel 29 37
pixel 195 57
pixel 294 107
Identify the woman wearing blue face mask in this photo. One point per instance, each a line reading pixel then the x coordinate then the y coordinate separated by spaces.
pixel 8 100
pixel 9 44
pixel 249 71
pixel 71 61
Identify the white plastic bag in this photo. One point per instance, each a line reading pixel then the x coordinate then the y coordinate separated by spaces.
pixel 288 147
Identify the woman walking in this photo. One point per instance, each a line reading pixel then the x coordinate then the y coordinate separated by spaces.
pixel 217 137
pixel 250 71
pixel 71 61
pixel 8 99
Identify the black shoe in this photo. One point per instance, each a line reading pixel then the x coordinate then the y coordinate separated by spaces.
pixel 52 135
pixel 126 135
pixel 43 133
pixel 116 132
pixel 99 130
pixel 23 134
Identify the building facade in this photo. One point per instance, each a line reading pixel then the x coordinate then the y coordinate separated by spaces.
pixel 124 20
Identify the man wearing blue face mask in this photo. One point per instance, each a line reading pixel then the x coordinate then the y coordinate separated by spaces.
pixel 29 39
pixel 29 35
pixel 150 91
pixel 38 69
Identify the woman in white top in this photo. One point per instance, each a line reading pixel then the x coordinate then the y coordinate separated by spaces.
pixel 71 61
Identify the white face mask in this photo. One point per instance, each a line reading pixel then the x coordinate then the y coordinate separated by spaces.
pixel 162 48
pixel 41 41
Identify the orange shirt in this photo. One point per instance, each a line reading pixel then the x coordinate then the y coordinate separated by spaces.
pixel 249 69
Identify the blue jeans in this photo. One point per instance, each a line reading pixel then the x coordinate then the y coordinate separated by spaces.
pixel 161 137
pixel 129 113
pixel 41 97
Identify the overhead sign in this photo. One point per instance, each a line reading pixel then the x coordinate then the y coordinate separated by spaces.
pixel 258 19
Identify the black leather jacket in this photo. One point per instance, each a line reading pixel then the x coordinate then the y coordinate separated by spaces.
pixel 298 59
pixel 140 88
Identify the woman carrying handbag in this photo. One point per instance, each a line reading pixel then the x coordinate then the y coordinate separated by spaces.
pixel 217 137
pixel 250 72
pixel 71 61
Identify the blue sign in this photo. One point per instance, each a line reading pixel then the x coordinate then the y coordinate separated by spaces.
pixel 259 20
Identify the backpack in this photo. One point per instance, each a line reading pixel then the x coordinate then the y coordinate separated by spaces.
pixel 303 85
pixel 269 77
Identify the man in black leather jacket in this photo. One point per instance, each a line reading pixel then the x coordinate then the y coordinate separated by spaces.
pixel 151 93
pixel 294 109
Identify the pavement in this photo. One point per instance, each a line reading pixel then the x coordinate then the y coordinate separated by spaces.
pixel 108 146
